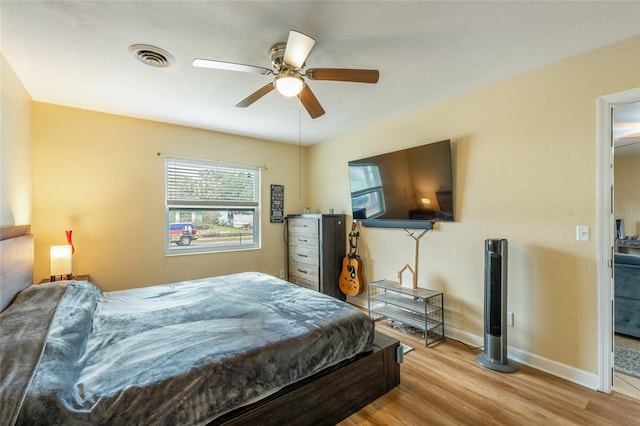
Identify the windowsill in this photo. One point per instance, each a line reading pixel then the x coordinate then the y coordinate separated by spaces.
pixel 229 250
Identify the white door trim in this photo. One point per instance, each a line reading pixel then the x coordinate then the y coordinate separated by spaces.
pixel 606 232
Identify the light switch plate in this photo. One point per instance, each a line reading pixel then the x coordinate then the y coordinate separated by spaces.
pixel 583 233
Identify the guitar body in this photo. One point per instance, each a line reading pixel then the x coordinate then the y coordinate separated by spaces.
pixel 351 277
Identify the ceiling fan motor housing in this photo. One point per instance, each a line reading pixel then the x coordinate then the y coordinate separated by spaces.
pixel 277 56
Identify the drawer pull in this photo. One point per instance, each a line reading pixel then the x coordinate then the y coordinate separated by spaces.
pixel 304 272
pixel 301 240
pixel 302 255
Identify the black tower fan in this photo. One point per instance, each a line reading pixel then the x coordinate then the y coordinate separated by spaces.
pixel 495 304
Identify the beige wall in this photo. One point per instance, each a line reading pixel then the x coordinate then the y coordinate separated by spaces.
pixel 627 192
pixel 525 160
pixel 100 176
pixel 525 169
pixel 15 149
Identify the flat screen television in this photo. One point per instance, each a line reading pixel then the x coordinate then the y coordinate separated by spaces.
pixel 410 188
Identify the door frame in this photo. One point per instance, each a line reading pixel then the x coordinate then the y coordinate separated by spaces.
pixel 606 231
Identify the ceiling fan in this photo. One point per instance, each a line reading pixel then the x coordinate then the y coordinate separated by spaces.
pixel 287 64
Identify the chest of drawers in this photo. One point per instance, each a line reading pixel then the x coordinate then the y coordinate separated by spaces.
pixel 316 245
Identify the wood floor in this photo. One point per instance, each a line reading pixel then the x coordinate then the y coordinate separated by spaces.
pixel 444 385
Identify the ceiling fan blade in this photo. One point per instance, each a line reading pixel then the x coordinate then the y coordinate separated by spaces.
pixel 255 96
pixel 310 102
pixel 344 74
pixel 229 66
pixel 298 47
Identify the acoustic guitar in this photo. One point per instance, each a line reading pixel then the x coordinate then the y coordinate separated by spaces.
pixel 351 277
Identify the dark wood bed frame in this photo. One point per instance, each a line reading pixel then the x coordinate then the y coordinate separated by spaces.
pixel 323 399
pixel 329 396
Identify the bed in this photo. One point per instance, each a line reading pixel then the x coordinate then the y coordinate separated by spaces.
pixel 245 348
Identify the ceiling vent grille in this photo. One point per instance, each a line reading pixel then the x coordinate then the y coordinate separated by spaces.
pixel 151 55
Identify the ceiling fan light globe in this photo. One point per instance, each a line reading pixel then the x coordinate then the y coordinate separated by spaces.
pixel 289 85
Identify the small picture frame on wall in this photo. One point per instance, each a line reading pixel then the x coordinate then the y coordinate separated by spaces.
pixel 277 204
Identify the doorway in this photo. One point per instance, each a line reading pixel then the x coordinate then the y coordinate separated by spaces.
pixel 607 232
pixel 626 203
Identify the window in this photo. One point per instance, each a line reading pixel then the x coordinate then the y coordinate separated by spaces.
pixel 366 191
pixel 211 206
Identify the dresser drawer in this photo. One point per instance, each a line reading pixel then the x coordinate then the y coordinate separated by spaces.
pixel 304 271
pixel 304 254
pixel 300 239
pixel 307 226
pixel 302 282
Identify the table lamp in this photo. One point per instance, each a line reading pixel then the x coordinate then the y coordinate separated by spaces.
pixel 61 262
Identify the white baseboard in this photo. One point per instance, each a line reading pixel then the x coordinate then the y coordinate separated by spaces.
pixel 558 369
pixel 567 372
pixel 564 371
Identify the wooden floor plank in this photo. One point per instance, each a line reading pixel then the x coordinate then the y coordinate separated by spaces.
pixel 444 385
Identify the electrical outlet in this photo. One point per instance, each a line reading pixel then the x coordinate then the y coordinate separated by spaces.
pixel 509 319
pixel 282 274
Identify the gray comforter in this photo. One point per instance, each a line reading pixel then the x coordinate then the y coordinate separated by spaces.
pixel 182 353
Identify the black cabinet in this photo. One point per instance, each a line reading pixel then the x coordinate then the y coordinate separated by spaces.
pixel 316 245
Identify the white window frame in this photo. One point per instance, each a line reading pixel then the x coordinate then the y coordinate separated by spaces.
pixel 206 202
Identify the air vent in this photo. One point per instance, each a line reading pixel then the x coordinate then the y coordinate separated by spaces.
pixel 151 55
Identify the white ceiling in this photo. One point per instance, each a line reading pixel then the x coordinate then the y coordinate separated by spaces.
pixel 76 54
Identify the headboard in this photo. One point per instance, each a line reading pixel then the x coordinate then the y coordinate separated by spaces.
pixel 16 262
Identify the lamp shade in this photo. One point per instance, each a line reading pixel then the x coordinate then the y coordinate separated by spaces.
pixel 60 260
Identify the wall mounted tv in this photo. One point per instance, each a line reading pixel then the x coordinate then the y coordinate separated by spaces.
pixel 409 188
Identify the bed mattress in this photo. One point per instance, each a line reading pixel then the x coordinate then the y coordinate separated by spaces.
pixel 182 353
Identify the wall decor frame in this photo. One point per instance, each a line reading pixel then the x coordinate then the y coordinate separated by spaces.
pixel 277 204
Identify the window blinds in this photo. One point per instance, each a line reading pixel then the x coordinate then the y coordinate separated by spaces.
pixel 211 183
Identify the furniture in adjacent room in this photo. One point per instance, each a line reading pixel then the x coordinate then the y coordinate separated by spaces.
pixel 626 271
pixel 629 245
pixel 418 308
pixel 316 246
